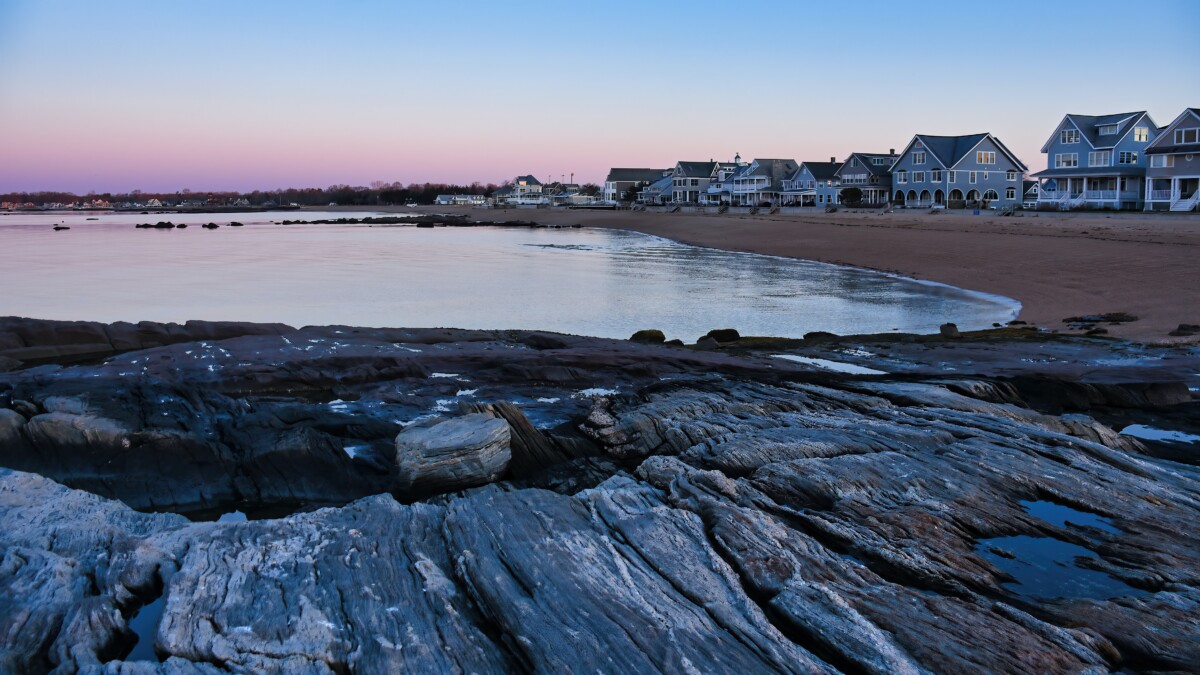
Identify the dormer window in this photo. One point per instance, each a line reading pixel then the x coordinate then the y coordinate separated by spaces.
pixel 1069 136
pixel 1108 130
pixel 918 157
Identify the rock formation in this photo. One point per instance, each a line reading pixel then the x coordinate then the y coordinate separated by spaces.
pixel 637 508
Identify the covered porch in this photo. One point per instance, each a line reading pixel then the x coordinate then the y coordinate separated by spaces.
pixel 919 200
pixel 798 198
pixel 1176 193
pixel 1111 189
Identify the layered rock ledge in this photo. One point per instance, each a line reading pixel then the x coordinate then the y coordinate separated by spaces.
pixel 638 508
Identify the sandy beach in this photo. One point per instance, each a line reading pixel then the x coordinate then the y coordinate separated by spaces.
pixel 1056 265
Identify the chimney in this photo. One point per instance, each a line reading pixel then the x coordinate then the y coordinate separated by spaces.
pixel 891 151
pixel 833 160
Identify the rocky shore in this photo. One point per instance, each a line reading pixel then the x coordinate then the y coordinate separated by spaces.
pixel 235 497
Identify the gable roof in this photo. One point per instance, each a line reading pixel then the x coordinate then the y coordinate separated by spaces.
pixel 695 169
pixel 1089 127
pixel 777 169
pixel 1165 142
pixel 627 175
pixel 865 158
pixel 529 180
pixel 820 170
pixel 950 150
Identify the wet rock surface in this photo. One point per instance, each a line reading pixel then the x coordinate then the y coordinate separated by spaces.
pixel 660 509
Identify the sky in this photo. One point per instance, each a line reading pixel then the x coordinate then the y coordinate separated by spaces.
pixel 214 95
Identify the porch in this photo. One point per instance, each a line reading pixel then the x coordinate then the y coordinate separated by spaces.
pixel 1179 193
pixel 1096 191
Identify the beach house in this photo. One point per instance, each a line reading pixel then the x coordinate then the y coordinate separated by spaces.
pixel 523 191
pixel 620 180
pixel 460 200
pixel 812 184
pixel 1173 170
pixel 956 171
pixel 690 180
pixel 1097 161
pixel 870 172
pixel 658 192
pixel 720 186
pixel 761 182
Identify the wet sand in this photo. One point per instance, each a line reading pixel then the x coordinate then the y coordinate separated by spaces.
pixel 1056 265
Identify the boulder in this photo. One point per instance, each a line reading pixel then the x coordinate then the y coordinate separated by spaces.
pixel 1186 330
pixel 724 334
pixel 950 331
pixel 706 343
pixel 649 336
pixel 452 454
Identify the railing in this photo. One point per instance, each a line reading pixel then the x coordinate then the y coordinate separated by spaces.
pixel 1100 195
pixel 1160 195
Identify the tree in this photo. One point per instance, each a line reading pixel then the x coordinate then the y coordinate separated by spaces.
pixel 851 195
pixel 631 194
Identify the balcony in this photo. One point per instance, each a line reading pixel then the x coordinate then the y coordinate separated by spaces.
pixel 1161 195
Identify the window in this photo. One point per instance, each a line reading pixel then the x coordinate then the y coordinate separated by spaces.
pixel 902 176
pixel 880 161
pixel 918 176
pixel 982 157
pixel 1010 193
pixel 853 161
pixel 919 157
pixel 1162 161
pixel 1141 134
pixel 1069 136
pixel 695 182
pixel 936 175
pixel 1127 158
pixel 1108 130
pixel 1100 158
pixel 985 176
pixel 1011 175
pixel 1066 160
pixel 990 196
pixel 1187 135
pixel 971 177
pixel 953 176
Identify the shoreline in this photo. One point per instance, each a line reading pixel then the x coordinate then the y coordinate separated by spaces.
pixel 1055 265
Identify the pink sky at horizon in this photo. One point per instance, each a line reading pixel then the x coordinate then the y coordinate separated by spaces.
pixel 225 96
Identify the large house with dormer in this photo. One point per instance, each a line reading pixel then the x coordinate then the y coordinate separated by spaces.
pixel 976 170
pixel 1173 170
pixel 523 191
pixel 720 186
pixel 870 172
pixel 1097 161
pixel 812 184
pixel 690 180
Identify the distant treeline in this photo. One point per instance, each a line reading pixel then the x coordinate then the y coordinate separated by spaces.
pixel 378 193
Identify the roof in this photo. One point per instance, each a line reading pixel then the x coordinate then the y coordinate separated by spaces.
pixel 777 169
pixel 1089 127
pixel 626 175
pixel 821 170
pixel 950 150
pixel 1168 141
pixel 871 167
pixel 659 185
pixel 528 180
pixel 1127 170
pixel 695 169
pixel 1027 185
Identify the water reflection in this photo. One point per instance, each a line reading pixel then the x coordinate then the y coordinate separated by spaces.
pixel 592 282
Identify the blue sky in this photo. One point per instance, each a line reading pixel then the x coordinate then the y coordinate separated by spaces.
pixel 224 95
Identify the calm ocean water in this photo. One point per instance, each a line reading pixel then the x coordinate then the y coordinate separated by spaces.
pixel 583 281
